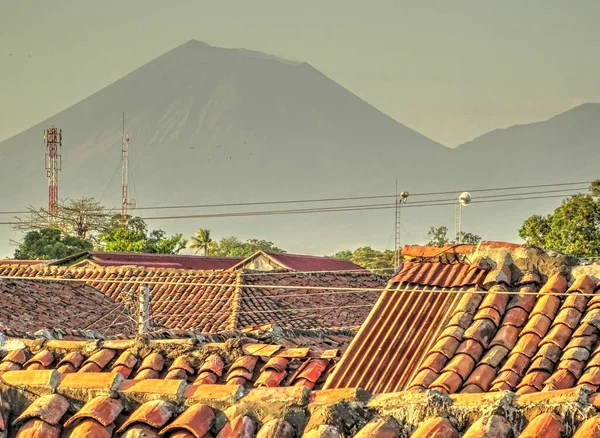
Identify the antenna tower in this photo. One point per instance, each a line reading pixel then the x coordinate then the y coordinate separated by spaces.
pixel 124 175
pixel 53 143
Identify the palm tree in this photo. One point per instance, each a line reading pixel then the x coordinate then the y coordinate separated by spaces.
pixel 201 241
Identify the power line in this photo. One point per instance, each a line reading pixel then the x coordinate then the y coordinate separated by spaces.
pixel 364 207
pixel 350 198
pixel 357 198
pixel 416 288
pixel 338 209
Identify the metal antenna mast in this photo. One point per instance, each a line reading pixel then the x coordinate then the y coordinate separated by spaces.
pixel 463 200
pixel 124 175
pixel 401 198
pixel 53 142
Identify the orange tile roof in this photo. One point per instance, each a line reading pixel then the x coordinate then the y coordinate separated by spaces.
pixel 45 403
pixel 211 301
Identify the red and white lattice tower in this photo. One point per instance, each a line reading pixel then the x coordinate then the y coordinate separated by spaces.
pixel 53 143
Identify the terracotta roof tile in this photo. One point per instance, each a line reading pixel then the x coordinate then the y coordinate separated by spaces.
pixel 49 408
pixel 495 426
pixel 544 425
pixel 436 427
pixel 239 427
pixel 190 299
pixel 32 305
pixel 155 413
pixel 589 429
pixel 276 429
pixel 38 429
pixel 196 419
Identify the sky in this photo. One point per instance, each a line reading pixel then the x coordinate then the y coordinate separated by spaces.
pixel 451 70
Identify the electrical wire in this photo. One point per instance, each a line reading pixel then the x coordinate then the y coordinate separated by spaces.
pixel 286 287
pixel 356 198
pixel 339 199
pixel 337 209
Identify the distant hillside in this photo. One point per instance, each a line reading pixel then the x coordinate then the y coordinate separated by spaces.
pixel 564 147
pixel 222 125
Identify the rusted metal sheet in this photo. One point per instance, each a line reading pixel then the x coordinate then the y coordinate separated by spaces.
pixel 402 327
pixel 439 274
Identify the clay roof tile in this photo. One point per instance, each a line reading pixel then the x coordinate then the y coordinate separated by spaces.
pixel 213 363
pixel 155 413
pixel 493 426
pixel 589 429
pixel 102 409
pixel 74 358
pixel 584 284
pixel 153 361
pixel 49 408
pixel 101 357
pixel 44 358
pixel 197 420
pixel 277 428
pixel 436 427
pixel 544 425
pixel 182 363
pixel 239 427
pixel 557 284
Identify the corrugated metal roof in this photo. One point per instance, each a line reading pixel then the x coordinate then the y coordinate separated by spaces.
pixel 402 327
pixel 439 274
pixel 313 263
pixel 200 263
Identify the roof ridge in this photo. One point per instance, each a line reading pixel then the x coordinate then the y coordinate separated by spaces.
pixel 237 302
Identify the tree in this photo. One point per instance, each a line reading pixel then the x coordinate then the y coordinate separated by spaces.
pixel 201 241
pixel 84 218
pixel 438 236
pixel 369 258
pixel 232 246
pixel 573 228
pixel 49 244
pixel 137 238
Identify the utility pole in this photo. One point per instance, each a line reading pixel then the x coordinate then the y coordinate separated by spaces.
pixel 401 198
pixel 144 311
pixel 124 175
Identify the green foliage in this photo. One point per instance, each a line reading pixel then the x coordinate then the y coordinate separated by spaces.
pixel 232 246
pixel 201 241
pixel 49 244
pixel 438 236
pixel 138 239
pixel 369 258
pixel 573 228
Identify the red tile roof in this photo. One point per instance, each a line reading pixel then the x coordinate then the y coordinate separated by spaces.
pixel 305 263
pixel 526 342
pixel 402 325
pixel 45 403
pixel 212 301
pixel 200 263
pixel 27 305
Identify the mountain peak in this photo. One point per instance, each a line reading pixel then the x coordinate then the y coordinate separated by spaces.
pixel 205 47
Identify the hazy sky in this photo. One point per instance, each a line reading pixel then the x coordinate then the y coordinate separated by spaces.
pixel 449 69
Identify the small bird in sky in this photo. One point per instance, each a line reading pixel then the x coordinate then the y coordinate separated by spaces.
pixel 229 158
